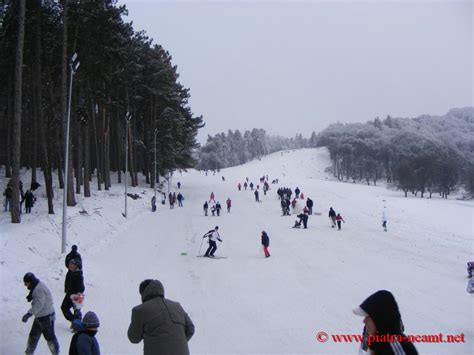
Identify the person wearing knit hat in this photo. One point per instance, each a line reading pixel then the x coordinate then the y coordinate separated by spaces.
pixel 383 332
pixel 73 284
pixel 43 310
pixel 73 255
pixel 162 324
pixel 84 341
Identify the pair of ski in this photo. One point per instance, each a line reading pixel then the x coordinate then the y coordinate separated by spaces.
pixel 210 257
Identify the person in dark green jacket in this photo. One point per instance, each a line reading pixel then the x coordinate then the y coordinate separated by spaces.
pixel 163 324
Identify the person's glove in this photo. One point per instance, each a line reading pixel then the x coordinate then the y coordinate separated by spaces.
pixel 220 240
pixel 25 318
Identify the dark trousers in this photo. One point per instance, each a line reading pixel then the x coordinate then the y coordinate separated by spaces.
pixel 43 325
pixel 28 209
pixel 66 308
pixel 338 224
pixel 384 225
pixel 212 248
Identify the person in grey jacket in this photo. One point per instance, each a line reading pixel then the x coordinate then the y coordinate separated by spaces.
pixel 43 310
pixel 163 324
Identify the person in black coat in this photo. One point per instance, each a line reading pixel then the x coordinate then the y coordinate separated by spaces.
pixel 29 201
pixel 303 218
pixel 383 331
pixel 73 284
pixel 309 204
pixel 265 243
pixel 73 255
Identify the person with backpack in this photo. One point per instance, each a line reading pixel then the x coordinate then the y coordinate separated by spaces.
pixel 74 254
pixel 42 309
pixel 265 243
pixel 73 284
pixel 339 219
pixel 213 236
pixel 161 323
pixel 251 186
pixel 84 341
pixel 245 186
pixel 332 216
pixel 205 207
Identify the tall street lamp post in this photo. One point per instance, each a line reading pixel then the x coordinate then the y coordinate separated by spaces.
pixel 73 65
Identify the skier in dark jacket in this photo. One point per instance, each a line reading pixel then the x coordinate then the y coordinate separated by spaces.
pixel 73 284
pixel 297 192
pixel 162 324
pixel 205 207
pixel 74 255
pixel 383 332
pixel 256 196
pixel 84 341
pixel 332 216
pixel 265 243
pixel 43 310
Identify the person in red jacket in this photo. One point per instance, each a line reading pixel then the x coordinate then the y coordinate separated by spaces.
pixel 339 219
pixel 211 198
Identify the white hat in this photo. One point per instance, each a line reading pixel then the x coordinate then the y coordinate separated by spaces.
pixel 360 312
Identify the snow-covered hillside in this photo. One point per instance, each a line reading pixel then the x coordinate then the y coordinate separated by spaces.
pixel 246 303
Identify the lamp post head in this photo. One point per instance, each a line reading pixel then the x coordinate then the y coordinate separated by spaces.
pixel 128 116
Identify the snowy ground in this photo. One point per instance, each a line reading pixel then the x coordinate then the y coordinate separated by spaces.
pixel 248 304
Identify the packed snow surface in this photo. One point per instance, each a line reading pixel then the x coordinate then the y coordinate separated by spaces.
pixel 247 304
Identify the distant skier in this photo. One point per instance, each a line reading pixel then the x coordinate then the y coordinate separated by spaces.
pixel 245 186
pixel 384 218
pixel 218 208
pixel 180 199
pixel 205 207
pixel 179 185
pixel 229 204
pixel 332 216
pixel 223 178
pixel 339 219
pixel 8 198
pixel 239 186
pixel 301 196
pixel 265 243
pixel 213 238
pixel 212 198
pixel 251 186
pixel 256 196
pixel 213 209
pixel 171 200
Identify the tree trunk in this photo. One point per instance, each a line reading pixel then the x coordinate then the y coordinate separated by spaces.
pixel 39 110
pixel 87 188
pixel 16 151
pixel 8 162
pixel 106 155
pixel 79 179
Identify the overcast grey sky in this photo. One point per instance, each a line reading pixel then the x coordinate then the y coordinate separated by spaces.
pixel 297 66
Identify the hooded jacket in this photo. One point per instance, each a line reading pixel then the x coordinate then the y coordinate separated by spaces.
pixel 163 324
pixel 383 309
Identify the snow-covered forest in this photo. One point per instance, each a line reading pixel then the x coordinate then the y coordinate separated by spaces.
pixel 427 154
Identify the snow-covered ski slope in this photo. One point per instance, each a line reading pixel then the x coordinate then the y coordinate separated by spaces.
pixel 246 304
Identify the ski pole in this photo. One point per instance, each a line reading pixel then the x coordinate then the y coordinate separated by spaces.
pixel 202 239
